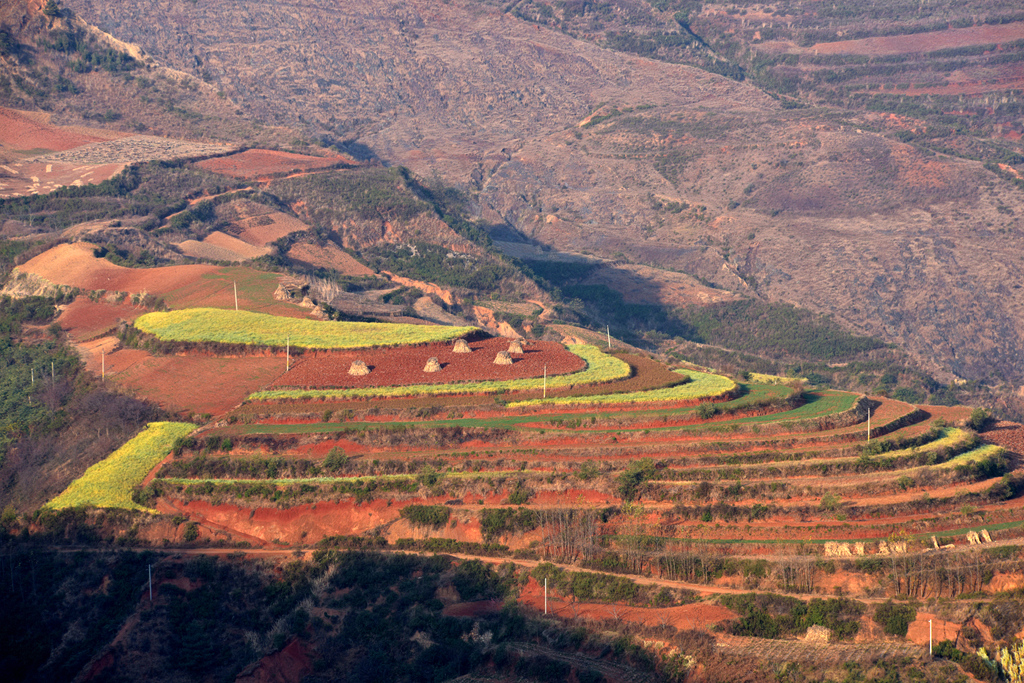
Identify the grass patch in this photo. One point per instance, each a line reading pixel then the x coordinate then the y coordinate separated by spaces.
pixel 600 368
pixel 244 327
pixel 701 385
pixel 109 483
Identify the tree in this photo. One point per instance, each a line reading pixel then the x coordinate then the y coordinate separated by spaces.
pixel 51 9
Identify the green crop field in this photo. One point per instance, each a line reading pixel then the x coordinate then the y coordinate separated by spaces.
pixel 109 483
pixel 600 368
pixel 260 329
pixel 701 385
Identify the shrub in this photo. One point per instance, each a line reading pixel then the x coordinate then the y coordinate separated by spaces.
pixel 631 481
pixel 895 619
pixel 979 419
pixel 495 522
pixel 435 516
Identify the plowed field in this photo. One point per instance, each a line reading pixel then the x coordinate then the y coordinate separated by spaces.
pixel 403 366
pixel 255 163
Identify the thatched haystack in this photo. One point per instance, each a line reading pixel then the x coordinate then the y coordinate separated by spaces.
pixel 516 346
pixel 503 358
pixel 432 366
pixel 358 369
pixel 461 346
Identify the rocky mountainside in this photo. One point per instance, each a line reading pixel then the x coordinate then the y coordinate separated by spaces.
pixel 579 148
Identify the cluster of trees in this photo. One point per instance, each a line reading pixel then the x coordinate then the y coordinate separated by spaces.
pixel 764 615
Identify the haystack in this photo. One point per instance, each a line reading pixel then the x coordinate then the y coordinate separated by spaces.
pixel 516 346
pixel 461 346
pixel 503 358
pixel 358 369
pixel 432 366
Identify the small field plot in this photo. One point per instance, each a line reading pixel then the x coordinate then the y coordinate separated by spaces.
pixel 404 365
pixel 109 483
pixel 255 163
pixel 600 368
pixel 200 384
pixel 245 327
pixel 83 319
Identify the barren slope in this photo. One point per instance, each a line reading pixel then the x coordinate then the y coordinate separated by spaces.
pixel 704 175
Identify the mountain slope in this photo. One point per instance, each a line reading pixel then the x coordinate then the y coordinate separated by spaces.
pixel 680 169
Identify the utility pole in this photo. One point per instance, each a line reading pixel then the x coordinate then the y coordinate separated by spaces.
pixel 545 596
pixel 545 381
pixel 608 330
pixel 929 637
pixel 235 285
pixel 103 365
pixel 287 353
pixel 869 423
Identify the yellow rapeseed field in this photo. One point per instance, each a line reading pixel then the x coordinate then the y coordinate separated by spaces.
pixel 109 483
pixel 259 329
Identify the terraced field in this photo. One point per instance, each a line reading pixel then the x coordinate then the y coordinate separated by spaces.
pixel 626 465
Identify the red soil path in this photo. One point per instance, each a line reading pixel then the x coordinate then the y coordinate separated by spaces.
pixel 404 365
pixel 255 163
pixel 924 42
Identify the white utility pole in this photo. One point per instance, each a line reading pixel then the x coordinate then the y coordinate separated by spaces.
pixel 929 637
pixel 287 353
pixel 103 365
pixel 608 330
pixel 545 381
pixel 235 284
pixel 869 423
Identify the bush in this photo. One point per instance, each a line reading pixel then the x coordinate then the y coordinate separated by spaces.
pixel 495 522
pixel 979 419
pixel 895 619
pixel 631 482
pixel 435 516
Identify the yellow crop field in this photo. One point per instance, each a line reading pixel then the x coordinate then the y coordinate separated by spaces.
pixel 260 329
pixel 701 385
pixel 109 483
pixel 600 368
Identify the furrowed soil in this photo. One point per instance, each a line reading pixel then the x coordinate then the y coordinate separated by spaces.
pixel 924 42
pixel 193 383
pixel 263 163
pixel 404 365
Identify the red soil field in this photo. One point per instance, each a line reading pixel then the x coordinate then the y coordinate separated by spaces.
pixel 184 286
pixel 202 384
pixel 29 131
pixel 256 163
pixel 404 365
pixel 75 265
pixel 328 256
pixel 1009 435
pixel 924 42
pixel 690 617
pixel 83 319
